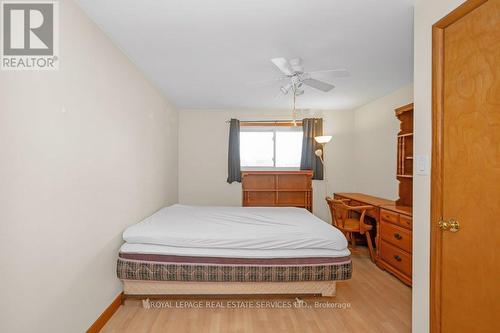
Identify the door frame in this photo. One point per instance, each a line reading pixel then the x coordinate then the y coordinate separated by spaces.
pixel 437 155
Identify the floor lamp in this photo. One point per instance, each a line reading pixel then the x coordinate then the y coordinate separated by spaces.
pixel 323 140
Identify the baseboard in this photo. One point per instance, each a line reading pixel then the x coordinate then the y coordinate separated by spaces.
pixel 106 315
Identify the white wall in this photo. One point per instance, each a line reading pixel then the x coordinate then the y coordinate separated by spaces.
pixel 203 145
pixel 376 128
pixel 339 158
pixel 72 181
pixel 427 12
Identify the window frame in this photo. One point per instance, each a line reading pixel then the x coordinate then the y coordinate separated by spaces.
pixel 272 129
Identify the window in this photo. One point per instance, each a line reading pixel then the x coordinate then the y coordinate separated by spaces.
pixel 270 147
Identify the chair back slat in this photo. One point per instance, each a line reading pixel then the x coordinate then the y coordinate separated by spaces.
pixel 339 212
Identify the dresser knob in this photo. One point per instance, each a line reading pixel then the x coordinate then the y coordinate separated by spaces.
pixel 397 236
pixel 398 258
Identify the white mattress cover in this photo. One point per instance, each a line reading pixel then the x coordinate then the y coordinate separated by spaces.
pixel 230 253
pixel 229 229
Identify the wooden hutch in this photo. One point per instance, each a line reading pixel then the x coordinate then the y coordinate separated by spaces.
pixel 395 233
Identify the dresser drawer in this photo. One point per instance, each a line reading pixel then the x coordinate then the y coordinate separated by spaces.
pixel 389 216
pixel 396 258
pixel 396 235
pixel 405 221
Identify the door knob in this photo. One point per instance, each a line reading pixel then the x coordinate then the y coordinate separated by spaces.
pixel 451 225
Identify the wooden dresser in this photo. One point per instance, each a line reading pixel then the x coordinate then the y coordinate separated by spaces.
pixel 277 188
pixel 395 241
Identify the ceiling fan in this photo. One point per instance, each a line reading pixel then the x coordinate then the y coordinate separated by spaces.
pixel 294 72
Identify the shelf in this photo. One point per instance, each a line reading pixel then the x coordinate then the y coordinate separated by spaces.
pixel 404 167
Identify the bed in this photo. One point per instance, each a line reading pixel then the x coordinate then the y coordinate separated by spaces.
pixel 194 250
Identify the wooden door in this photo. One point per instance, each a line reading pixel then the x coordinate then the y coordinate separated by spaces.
pixel 465 265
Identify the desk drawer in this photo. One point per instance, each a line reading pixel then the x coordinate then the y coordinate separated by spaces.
pixel 397 236
pixel 405 221
pixel 389 216
pixel 395 257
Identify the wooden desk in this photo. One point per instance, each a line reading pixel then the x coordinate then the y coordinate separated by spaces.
pixel 393 236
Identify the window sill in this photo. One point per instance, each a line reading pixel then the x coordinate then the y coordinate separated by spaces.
pixel 268 169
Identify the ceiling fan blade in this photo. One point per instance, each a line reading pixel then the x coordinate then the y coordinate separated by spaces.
pixel 283 65
pixel 333 72
pixel 320 85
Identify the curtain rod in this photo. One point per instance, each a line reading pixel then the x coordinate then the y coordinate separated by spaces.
pixel 269 121
pixel 264 121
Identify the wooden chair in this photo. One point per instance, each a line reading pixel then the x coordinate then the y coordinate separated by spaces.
pixel 348 223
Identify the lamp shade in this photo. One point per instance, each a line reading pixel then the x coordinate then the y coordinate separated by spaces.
pixel 323 139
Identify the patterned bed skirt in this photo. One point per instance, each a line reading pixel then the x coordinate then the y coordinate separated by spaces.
pixel 160 271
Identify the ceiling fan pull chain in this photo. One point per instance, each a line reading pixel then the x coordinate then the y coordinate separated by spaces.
pixel 293 110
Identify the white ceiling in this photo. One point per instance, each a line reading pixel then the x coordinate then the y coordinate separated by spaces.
pixel 208 54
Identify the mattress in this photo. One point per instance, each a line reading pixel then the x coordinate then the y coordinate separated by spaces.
pixel 231 253
pixel 233 244
pixel 236 228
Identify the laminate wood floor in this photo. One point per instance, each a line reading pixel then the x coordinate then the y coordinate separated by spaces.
pixel 372 301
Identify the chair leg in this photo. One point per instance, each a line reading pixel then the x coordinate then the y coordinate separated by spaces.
pixel 353 240
pixel 370 246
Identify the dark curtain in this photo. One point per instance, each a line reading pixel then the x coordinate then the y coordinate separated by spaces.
pixel 233 161
pixel 309 161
